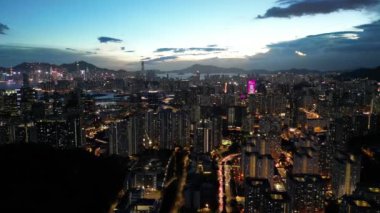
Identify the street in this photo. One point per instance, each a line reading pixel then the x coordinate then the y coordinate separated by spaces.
pixel 224 177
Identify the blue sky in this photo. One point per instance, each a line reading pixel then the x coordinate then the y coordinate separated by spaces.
pixel 173 34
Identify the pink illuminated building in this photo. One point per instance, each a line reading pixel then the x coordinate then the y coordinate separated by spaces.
pixel 251 87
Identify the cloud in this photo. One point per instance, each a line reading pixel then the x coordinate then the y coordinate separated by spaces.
pixel 122 48
pixel 182 50
pixel 299 53
pixel 3 28
pixel 104 39
pixel 287 2
pixel 207 49
pixel 80 51
pixel 329 51
pixel 197 54
pixel 212 45
pixel 295 8
pixel 165 49
pixel 162 59
pixel 176 64
pixel 336 50
pixel 365 40
pixel 129 51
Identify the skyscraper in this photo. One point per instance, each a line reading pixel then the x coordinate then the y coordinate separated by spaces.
pixel 345 173
pixel 277 202
pixel 307 192
pixel 251 87
pixel 255 190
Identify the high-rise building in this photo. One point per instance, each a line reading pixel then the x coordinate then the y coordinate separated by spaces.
pixel 52 132
pixel 182 129
pixel 135 133
pixel 250 164
pixel 265 167
pixel 26 97
pixel 307 192
pixel 257 161
pixel 255 190
pixel 345 173
pixel 8 103
pixel 151 124
pixel 236 115
pixel 306 161
pixel 166 127
pixel 340 131
pixel 355 204
pixel 276 202
pixel 368 191
pixel 75 133
pixel 326 153
pixel 262 146
pixel 203 141
pixel 251 87
pixel 4 132
pixel 59 132
pixel 216 130
pixel 267 103
pixel 113 142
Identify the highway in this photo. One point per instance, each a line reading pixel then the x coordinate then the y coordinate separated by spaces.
pixel 180 199
pixel 224 177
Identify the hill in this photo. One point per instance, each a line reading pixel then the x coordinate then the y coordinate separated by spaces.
pixel 214 69
pixel 208 69
pixel 71 67
pixel 81 65
pixel 299 71
pixel 370 73
pixel 27 67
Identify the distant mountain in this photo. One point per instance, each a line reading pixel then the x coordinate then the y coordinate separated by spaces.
pixel 299 71
pixel 208 69
pixel 214 69
pixel 72 67
pixel 370 73
pixel 27 67
pixel 81 65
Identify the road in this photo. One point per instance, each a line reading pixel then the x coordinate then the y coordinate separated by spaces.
pixel 224 177
pixel 227 193
pixel 180 199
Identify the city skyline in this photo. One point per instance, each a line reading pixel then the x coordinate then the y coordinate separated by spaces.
pixel 169 35
pixel 190 106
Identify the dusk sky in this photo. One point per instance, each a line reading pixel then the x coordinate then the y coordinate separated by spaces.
pixel 174 34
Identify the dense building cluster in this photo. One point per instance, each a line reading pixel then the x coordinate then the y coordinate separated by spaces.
pixel 268 142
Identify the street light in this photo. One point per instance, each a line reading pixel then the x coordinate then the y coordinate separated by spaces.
pixel 205 209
